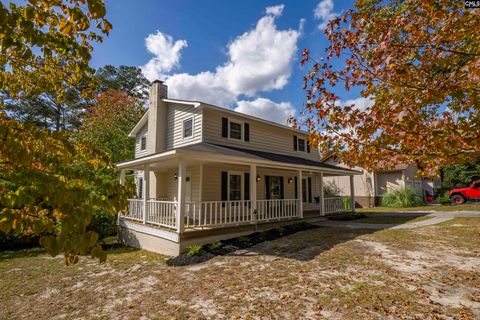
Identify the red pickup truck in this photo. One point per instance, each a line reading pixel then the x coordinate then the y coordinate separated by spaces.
pixel 461 195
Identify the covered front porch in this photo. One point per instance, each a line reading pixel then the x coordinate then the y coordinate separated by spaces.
pixel 193 191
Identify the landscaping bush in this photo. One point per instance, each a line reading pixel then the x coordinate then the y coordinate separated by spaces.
pixel 194 250
pixel 331 190
pixel 402 198
pixel 444 199
pixel 103 223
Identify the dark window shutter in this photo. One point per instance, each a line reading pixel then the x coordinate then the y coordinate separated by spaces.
pixel 246 186
pixel 308 146
pixel 267 187
pixel 281 189
pixel 295 143
pixel 246 133
pixel 296 187
pixel 224 186
pixel 225 127
pixel 309 189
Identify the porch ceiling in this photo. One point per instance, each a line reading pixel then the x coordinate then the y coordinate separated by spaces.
pixel 206 152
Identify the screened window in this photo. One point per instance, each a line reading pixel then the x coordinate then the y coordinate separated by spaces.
pixel 301 144
pixel 143 143
pixel 235 130
pixel 235 187
pixel 188 128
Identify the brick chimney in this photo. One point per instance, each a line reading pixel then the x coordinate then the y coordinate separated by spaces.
pixel 157 118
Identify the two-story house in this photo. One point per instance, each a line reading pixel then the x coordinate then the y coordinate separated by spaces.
pixel 205 173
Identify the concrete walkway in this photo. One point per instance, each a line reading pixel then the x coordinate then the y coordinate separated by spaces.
pixel 434 217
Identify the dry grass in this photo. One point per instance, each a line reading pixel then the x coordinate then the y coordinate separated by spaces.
pixel 429 272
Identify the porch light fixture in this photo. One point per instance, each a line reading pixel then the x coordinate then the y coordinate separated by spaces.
pixel 290 180
pixel 175 176
pixel 258 178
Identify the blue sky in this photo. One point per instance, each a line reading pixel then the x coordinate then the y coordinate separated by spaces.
pixel 238 54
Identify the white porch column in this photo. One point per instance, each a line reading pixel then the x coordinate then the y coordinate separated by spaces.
pixel 146 191
pixel 300 193
pixel 352 194
pixel 253 190
pixel 122 177
pixel 181 196
pixel 322 198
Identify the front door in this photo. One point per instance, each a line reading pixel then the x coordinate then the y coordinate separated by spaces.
pixel 304 190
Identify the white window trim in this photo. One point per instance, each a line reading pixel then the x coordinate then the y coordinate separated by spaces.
pixel 242 186
pixel 242 134
pixel 183 128
pixel 146 142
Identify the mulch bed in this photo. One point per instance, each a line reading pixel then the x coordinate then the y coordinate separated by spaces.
pixel 231 245
pixel 347 217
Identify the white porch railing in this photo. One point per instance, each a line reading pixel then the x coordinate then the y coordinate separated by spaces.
pixel 337 205
pixel 135 209
pixel 161 213
pixel 277 209
pixel 217 213
pixel 224 213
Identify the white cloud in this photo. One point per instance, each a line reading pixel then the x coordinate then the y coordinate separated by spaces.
pixel 301 25
pixel 360 103
pixel 267 109
pixel 275 10
pixel 166 55
pixel 203 87
pixel 258 60
pixel 324 13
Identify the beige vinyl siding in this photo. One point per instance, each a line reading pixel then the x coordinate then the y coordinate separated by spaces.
pixel 212 182
pixel 212 179
pixel 176 114
pixel 172 183
pixel 138 142
pixel 263 137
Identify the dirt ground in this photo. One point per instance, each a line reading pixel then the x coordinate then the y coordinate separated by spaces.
pixel 430 272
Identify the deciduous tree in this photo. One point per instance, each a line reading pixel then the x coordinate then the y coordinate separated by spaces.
pixel 420 63
pixel 46 45
pixel 108 121
pixel 51 184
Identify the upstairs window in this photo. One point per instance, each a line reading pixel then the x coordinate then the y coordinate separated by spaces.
pixel 143 143
pixel 235 130
pixel 188 128
pixel 301 145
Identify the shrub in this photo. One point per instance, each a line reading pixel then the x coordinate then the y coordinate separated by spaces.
pixel 402 198
pixel 330 190
pixel 103 223
pixel 215 246
pixel 194 250
pixel 444 199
